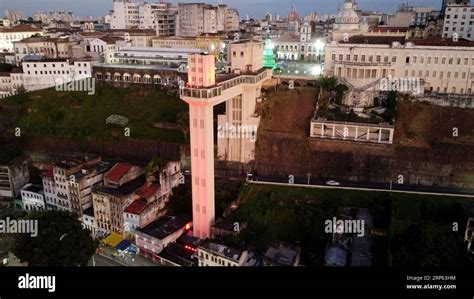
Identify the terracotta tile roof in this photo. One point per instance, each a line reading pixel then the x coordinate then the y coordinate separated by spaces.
pixel 21 28
pixel 118 171
pixel 47 171
pixel 110 39
pixel 147 191
pixel 137 206
pixel 388 40
pixel 389 29
pixel 287 38
pixel 98 34
pixel 375 40
pixel 39 39
pixel 447 42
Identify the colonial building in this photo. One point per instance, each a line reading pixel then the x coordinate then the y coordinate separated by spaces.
pixel 13 176
pixel 68 184
pixel 347 22
pixel 40 72
pixel 304 45
pixel 9 35
pixel 32 198
pixel 42 46
pixel 442 65
pixel 151 197
pixel 154 237
pixel 212 254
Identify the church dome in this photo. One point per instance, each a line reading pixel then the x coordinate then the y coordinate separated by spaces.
pixel 347 14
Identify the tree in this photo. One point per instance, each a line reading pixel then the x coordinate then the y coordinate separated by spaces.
pixel 328 83
pixel 61 241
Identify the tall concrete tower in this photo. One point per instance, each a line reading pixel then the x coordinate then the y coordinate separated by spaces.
pixel 202 93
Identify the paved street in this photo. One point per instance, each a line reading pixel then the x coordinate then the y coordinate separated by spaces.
pixel 300 69
pixel 106 259
pixel 364 186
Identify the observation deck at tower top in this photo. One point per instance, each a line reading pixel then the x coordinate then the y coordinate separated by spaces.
pixel 225 82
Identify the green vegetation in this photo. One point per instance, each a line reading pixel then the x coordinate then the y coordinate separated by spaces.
pixel 391 107
pixel 226 192
pixel 78 115
pixel 419 227
pixel 6 67
pixel 9 152
pixel 61 241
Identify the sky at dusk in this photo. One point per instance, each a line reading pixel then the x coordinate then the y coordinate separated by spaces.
pixel 254 8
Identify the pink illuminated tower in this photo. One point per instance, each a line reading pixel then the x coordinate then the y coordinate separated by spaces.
pixel 202 93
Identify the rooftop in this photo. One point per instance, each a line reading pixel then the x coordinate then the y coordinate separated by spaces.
pixel 388 40
pixel 118 171
pixel 38 39
pixel 33 188
pixel 137 206
pixel 21 28
pixel 282 254
pixel 147 191
pixel 89 212
pixel 222 250
pixel 166 225
pixel 125 189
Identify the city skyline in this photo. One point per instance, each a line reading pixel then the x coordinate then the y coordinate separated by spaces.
pixel 102 7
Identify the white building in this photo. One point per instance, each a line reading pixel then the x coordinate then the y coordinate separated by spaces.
pixel 347 22
pixel 300 46
pixel 442 65
pixel 5 85
pixel 151 239
pixel 194 19
pixel 157 16
pixel 211 254
pixel 9 35
pixel 32 197
pixel 13 177
pixel 459 20
pixel 40 72
pixel 88 221
pixel 43 46
pixel 68 184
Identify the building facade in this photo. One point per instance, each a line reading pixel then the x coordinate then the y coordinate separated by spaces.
pixel 32 198
pixel 459 22
pixel 442 65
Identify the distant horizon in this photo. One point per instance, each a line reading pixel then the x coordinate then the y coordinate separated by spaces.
pixel 253 8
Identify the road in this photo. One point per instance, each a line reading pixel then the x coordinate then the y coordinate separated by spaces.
pixel 365 186
pixel 104 261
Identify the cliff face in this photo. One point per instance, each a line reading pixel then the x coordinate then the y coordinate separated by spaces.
pixel 433 146
pixel 132 149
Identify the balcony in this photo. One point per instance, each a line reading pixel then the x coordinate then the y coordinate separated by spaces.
pixel 214 91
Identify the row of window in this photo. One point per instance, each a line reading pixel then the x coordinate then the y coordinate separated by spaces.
pixel 214 259
pixel 408 59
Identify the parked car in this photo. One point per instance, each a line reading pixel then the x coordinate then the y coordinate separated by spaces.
pixel 333 183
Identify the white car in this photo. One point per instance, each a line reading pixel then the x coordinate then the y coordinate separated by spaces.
pixel 333 183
